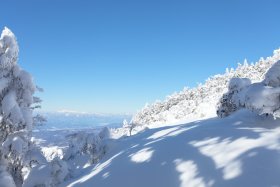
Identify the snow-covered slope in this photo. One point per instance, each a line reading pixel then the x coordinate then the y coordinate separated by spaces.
pixel 200 102
pixel 240 150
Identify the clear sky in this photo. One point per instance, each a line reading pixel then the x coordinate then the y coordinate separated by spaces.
pixel 114 56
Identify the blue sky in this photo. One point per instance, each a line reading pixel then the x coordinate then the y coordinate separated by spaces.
pixel 114 56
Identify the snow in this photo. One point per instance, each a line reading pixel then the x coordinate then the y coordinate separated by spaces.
pixel 6 179
pixel 9 102
pixel 144 155
pixel 41 174
pixel 272 77
pixel 188 178
pixel 263 99
pixel 240 150
pixel 8 49
pixel 3 84
pixel 238 83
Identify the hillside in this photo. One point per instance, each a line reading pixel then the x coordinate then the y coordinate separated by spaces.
pixel 200 102
pixel 241 150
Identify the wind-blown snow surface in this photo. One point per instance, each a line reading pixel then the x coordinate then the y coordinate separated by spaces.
pixel 240 150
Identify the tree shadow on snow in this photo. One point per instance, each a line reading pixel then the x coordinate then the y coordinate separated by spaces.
pixel 236 151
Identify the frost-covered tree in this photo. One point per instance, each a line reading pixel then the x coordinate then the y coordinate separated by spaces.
pixel 125 123
pixel 129 126
pixel 90 144
pixel 16 105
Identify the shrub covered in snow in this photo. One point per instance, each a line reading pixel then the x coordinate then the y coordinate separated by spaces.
pixel 234 98
pixel 128 127
pixel 262 97
pixel 91 144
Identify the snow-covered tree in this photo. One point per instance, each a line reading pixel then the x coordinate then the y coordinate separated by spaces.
pixel 128 126
pixel 16 105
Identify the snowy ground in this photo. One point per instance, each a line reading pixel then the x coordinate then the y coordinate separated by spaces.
pixel 241 150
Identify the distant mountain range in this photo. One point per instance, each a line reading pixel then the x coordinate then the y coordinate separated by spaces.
pixel 66 119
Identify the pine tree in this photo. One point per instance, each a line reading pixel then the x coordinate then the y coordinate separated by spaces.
pixel 16 106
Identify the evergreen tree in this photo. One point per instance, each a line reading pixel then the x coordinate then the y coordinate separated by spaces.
pixel 16 106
